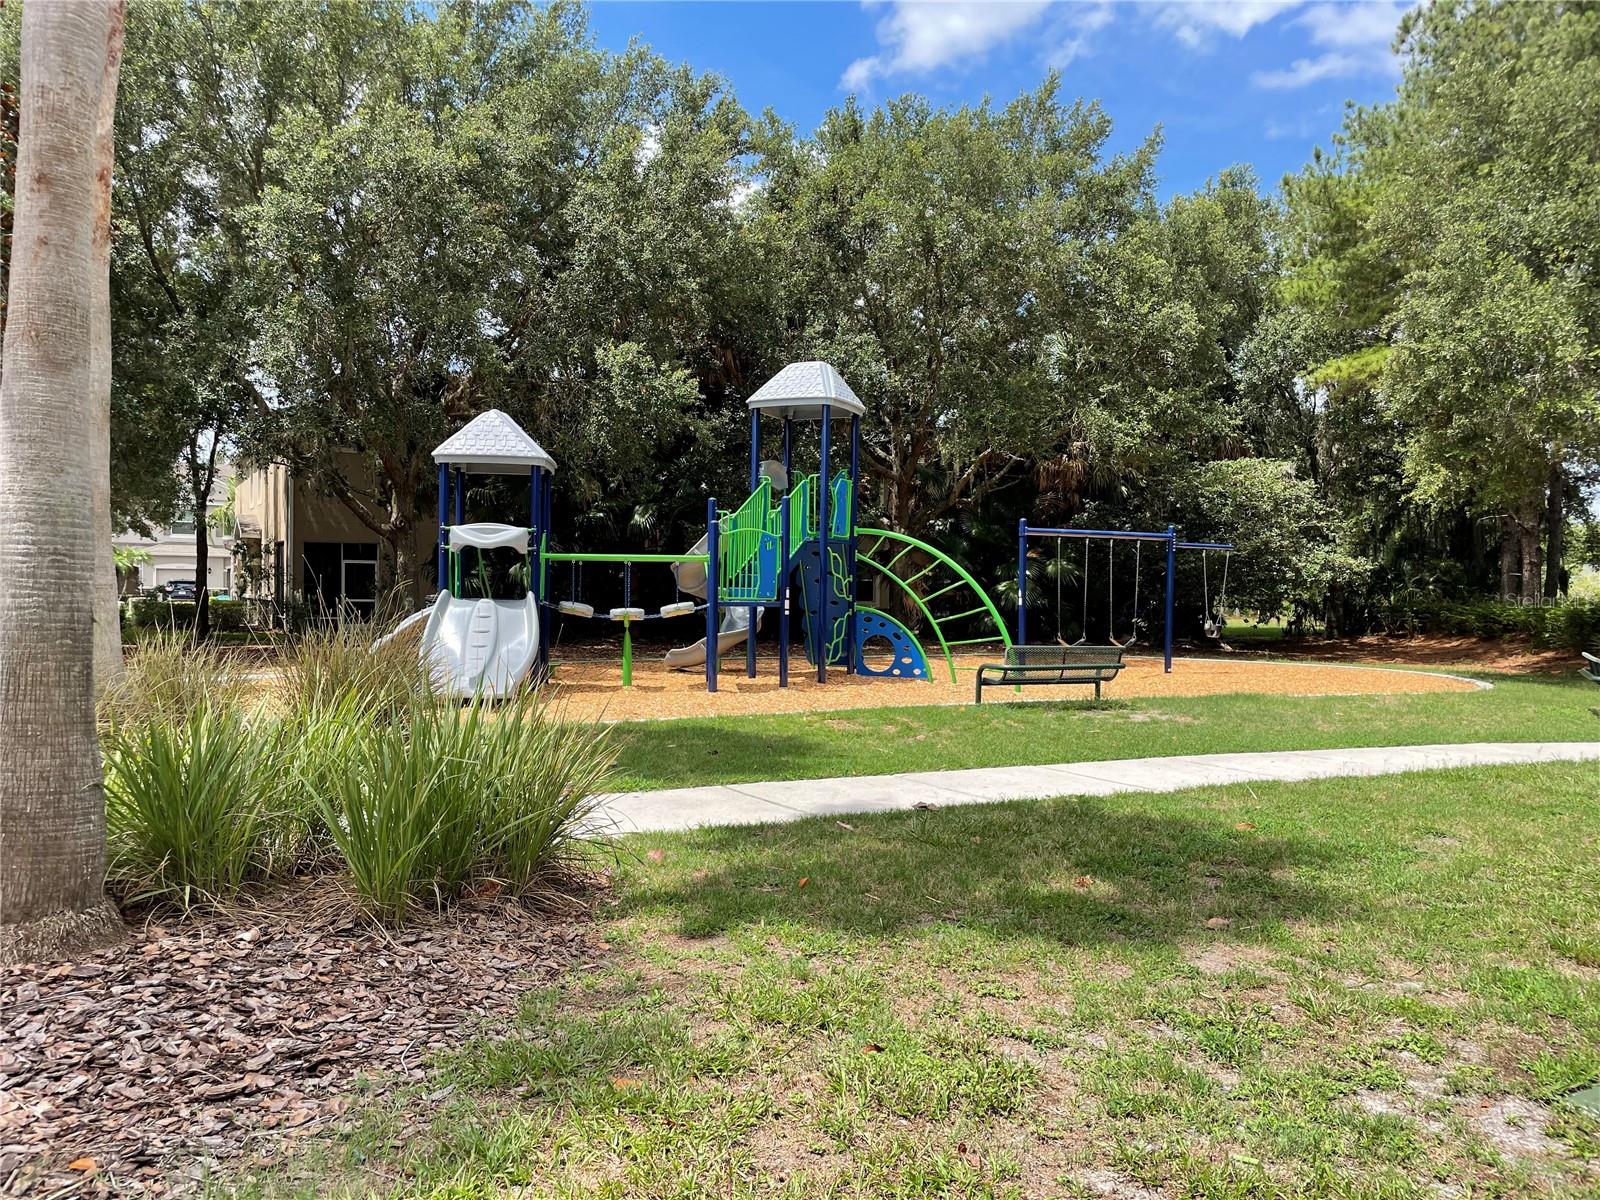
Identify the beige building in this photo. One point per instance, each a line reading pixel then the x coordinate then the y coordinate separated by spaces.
pixel 296 545
pixel 168 557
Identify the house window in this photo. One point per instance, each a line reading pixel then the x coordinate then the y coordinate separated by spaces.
pixel 341 580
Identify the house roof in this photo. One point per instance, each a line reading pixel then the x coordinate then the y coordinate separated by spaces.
pixel 493 444
pixel 803 389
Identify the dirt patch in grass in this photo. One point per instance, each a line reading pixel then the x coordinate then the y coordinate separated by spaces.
pixel 1515 1127
pixel 1222 958
pixel 780 1151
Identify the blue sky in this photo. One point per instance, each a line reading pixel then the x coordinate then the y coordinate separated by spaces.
pixel 1229 81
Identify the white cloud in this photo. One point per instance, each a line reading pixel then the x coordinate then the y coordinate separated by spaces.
pixel 1365 25
pixel 1357 37
pixel 1071 35
pixel 918 36
pixel 1196 22
pixel 1304 71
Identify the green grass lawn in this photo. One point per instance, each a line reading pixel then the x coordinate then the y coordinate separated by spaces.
pixel 659 754
pixel 1376 988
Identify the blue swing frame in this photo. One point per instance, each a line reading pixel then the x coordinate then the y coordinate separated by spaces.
pixel 1169 539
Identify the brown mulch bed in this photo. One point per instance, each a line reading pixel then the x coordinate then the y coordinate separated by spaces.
pixel 592 688
pixel 1511 655
pixel 229 1037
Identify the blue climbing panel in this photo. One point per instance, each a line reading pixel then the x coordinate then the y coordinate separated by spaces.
pixel 824 595
pixel 909 661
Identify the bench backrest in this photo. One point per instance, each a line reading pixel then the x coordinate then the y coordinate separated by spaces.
pixel 1064 656
pixel 1074 664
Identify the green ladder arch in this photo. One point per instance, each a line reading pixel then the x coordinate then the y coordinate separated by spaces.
pixel 974 601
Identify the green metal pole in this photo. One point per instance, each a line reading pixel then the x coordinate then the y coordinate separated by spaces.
pixel 627 654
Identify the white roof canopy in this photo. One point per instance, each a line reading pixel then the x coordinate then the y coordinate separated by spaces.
pixel 493 444
pixel 803 389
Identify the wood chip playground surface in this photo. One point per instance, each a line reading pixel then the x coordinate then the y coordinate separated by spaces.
pixel 589 686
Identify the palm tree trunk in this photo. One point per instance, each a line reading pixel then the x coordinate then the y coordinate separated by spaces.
pixel 107 608
pixel 52 873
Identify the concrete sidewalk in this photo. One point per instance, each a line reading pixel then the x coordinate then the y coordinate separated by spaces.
pixel 794 800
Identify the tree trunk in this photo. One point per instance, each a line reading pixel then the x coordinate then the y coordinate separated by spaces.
pixel 202 564
pixel 406 583
pixel 107 608
pixel 1510 555
pixel 52 808
pixel 1528 537
pixel 1555 523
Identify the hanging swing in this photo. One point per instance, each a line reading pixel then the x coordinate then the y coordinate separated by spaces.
pixel 1133 630
pixel 574 607
pixel 1214 618
pixel 1111 592
pixel 1083 628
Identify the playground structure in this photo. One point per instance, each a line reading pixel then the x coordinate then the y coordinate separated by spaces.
pixel 1169 544
pixel 792 544
pixel 485 644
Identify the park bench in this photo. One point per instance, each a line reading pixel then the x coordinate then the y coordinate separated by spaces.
pixel 1592 671
pixel 1028 665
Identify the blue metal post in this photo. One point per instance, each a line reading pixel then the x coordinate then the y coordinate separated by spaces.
pixel 535 566
pixel 547 521
pixel 712 573
pixel 755 481
pixel 461 497
pixel 444 519
pixel 755 448
pixel 850 545
pixel 1172 586
pixel 783 556
pixel 1022 581
pixel 824 580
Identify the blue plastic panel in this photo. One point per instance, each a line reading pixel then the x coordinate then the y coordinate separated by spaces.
pixel 910 662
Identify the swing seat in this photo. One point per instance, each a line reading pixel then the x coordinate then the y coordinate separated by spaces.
pixel 683 608
pixel 573 608
pixel 627 614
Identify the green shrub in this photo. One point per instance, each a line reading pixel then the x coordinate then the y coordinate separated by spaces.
pixel 1571 625
pixel 165 678
pixel 154 612
pixel 425 808
pixel 189 805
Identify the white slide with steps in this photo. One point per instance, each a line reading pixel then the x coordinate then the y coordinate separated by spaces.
pixel 482 647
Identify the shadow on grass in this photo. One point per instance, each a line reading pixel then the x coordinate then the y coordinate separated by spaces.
pixel 1079 871
pixel 698 750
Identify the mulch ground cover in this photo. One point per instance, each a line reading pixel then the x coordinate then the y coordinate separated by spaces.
pixel 199 1041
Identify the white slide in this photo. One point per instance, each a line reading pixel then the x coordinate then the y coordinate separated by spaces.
pixel 483 647
pixel 733 629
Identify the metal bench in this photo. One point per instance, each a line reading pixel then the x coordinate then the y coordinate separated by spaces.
pixel 1592 671
pixel 1027 665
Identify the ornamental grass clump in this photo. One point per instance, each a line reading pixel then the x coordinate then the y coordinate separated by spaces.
pixel 166 677
pixel 447 800
pixel 344 665
pixel 191 805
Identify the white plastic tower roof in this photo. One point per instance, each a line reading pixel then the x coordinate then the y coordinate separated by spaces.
pixel 493 444
pixel 802 389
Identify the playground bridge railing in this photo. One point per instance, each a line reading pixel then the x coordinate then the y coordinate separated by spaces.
pixel 747 560
pixel 805 517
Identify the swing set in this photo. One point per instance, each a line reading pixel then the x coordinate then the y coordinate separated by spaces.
pixel 1213 618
